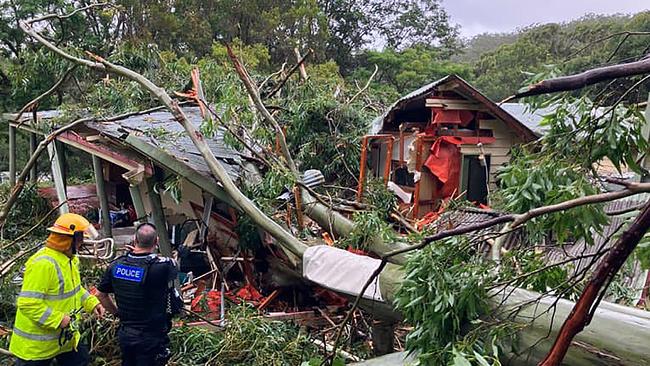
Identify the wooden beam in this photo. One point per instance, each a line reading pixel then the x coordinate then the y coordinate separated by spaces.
pixel 455 104
pixel 169 162
pixel 362 167
pixel 33 173
pixel 12 156
pixel 136 197
pixel 104 152
pixel 103 197
pixel 208 200
pixel 158 216
pixel 60 155
pixel 57 177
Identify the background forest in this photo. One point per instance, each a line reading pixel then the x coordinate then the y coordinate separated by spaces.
pixel 410 42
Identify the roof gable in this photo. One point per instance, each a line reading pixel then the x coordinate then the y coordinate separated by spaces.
pixel 458 85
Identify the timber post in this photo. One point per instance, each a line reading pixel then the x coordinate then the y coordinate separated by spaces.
pixel 12 156
pixel 208 201
pixel 57 177
pixel 60 153
pixel 33 172
pixel 136 197
pixel 362 167
pixel 158 216
pixel 103 197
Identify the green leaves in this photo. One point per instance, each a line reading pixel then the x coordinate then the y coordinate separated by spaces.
pixel 413 67
pixel 247 339
pixel 442 294
pixel 532 181
pixel 584 134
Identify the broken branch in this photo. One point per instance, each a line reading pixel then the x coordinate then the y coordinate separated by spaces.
pixel 23 235
pixel 20 181
pixel 365 87
pixel 35 101
pixel 257 101
pixel 273 228
pixel 64 16
pixel 288 75
pixel 582 311
pixel 586 78
pixel 515 219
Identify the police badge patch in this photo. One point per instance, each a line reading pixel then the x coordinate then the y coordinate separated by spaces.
pixel 128 273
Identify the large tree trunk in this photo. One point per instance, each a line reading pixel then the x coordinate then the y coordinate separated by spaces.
pixel 331 220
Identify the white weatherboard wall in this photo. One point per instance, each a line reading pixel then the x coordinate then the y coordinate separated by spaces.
pixel 499 151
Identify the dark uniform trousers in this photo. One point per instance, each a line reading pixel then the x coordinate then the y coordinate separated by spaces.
pixel 72 358
pixel 143 348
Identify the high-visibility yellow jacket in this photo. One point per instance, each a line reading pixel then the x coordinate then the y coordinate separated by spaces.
pixel 51 288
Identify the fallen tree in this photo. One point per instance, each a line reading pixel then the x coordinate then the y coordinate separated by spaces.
pixel 388 275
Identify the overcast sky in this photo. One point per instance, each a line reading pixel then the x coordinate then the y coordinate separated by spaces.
pixel 479 16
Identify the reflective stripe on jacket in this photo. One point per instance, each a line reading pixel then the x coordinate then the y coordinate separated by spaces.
pixel 51 288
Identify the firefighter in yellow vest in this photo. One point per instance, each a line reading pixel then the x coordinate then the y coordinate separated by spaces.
pixel 51 298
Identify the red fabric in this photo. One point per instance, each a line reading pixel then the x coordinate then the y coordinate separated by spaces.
pixel 444 163
pixel 357 251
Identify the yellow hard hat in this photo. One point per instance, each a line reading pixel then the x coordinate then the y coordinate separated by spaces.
pixel 69 223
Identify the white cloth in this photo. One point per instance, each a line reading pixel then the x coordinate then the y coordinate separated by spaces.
pixel 341 271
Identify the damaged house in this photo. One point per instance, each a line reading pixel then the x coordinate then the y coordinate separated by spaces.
pixel 135 159
pixel 443 140
pixel 145 168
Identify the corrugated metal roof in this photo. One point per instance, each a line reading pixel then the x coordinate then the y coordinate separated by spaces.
pixel 601 241
pixel 464 217
pixel 378 122
pixel 525 115
pixel 160 129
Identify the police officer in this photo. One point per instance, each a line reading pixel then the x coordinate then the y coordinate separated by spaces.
pixel 142 283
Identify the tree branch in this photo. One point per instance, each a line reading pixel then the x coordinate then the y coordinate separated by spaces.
pixel 267 224
pixel 286 77
pixel 64 16
pixel 515 219
pixel 252 91
pixel 35 101
pixel 23 235
pixel 365 86
pixel 606 270
pixel 586 78
pixel 20 181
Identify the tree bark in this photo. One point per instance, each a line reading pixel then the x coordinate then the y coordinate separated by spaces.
pixel 589 77
pixel 586 305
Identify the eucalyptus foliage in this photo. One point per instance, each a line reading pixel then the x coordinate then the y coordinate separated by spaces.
pixel 247 339
pixel 529 182
pixel 442 295
pixel 373 222
pixel 582 132
pixel 29 205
